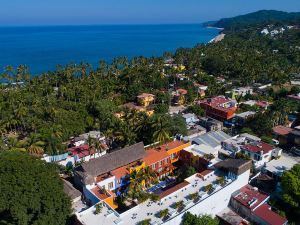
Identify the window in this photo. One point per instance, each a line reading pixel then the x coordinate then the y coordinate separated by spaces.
pixel 166 160
pixel 110 185
pixel 160 163
pixel 173 156
pixel 153 166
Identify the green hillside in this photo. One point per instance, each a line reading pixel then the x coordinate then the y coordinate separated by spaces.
pixel 258 18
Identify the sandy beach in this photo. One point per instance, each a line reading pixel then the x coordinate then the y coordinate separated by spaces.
pixel 218 38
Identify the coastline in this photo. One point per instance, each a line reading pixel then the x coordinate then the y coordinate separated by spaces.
pixel 218 38
pixel 75 44
pixel 218 28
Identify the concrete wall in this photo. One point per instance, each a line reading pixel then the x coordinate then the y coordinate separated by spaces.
pixel 89 195
pixel 106 182
pixel 214 203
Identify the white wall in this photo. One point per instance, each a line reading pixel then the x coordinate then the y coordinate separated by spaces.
pixel 215 203
pixel 106 182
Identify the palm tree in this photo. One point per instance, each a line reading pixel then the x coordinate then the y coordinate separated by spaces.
pixel 35 150
pixel 147 175
pixel 194 196
pixel 163 213
pixel 179 205
pixel 98 146
pixel 135 186
pixel 91 145
pixel 161 133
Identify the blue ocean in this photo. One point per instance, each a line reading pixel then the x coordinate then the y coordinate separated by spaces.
pixel 42 48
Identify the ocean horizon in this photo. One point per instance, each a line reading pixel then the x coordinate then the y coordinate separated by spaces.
pixel 42 48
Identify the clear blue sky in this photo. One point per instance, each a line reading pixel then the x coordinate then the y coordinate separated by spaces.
pixel 52 12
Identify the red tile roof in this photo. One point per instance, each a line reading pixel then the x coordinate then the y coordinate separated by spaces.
pixel 172 144
pixel 100 195
pixel 218 103
pixel 250 198
pixel 261 146
pixel 155 155
pixel 265 213
pixel 173 189
pixel 282 130
pixel 80 151
pixel 120 172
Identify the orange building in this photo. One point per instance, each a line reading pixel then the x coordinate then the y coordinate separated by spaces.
pixel 106 196
pixel 220 107
pixel 159 161
pixel 174 148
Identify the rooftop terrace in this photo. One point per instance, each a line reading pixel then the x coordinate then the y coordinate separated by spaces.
pixel 150 210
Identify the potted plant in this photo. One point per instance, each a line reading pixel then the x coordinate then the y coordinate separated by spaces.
pixel 221 181
pixel 179 205
pixel 194 196
pixel 98 208
pixel 209 188
pixel 145 222
pixel 163 213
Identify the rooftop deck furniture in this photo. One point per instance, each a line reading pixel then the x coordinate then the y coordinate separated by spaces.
pixel 118 221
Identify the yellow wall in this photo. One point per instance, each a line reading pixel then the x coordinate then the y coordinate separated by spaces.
pixel 137 168
pixel 110 202
pixel 146 101
pixel 177 151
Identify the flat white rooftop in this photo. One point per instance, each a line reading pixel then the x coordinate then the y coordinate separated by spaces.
pixel 150 210
pixel 201 150
pixel 285 162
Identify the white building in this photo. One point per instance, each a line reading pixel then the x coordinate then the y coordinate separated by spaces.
pixel 261 153
pixel 235 172
pixel 242 91
pixel 190 118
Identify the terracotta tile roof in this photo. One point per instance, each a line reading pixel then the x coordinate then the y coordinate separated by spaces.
pixel 261 146
pixel 204 173
pixel 120 172
pixel 218 102
pixel 171 145
pixel 80 151
pixel 99 194
pixel 282 130
pixel 265 213
pixel 173 189
pixel 182 91
pixel 250 197
pixel 154 156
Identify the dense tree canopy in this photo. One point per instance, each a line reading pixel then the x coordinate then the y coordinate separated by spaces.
pixel 190 219
pixel 291 188
pixel 31 191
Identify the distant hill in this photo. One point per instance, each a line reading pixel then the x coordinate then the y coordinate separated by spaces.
pixel 262 17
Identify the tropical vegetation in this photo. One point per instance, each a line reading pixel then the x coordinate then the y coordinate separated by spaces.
pixel 31 191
